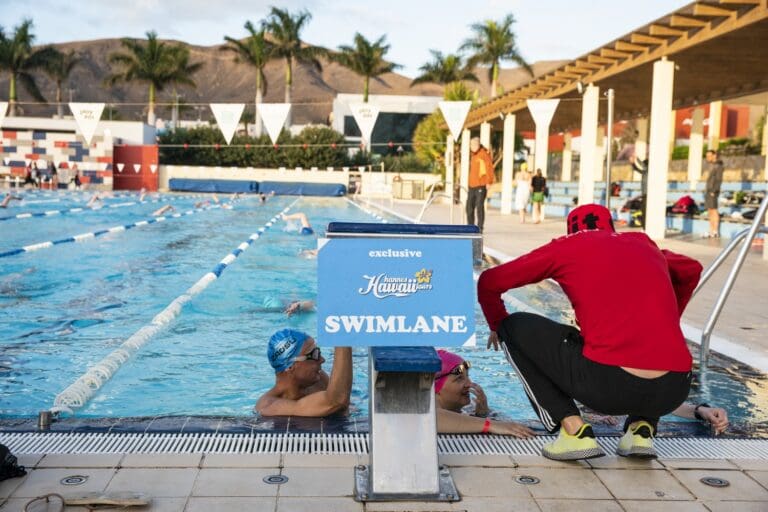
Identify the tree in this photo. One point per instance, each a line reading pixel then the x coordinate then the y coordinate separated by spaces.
pixel 366 59
pixel 181 74
pixel 444 69
pixel 255 51
pixel 58 69
pixel 492 43
pixel 155 63
pixel 19 59
pixel 285 29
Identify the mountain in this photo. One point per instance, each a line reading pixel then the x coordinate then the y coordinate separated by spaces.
pixel 221 80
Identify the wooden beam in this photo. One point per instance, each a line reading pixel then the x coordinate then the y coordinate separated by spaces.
pixel 587 65
pixel 607 52
pixel 566 74
pixel 624 46
pixel 684 21
pixel 597 59
pixel 740 2
pixel 711 10
pixel 578 71
pixel 664 31
pixel 646 39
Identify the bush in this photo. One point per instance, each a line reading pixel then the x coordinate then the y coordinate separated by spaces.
pixel 260 153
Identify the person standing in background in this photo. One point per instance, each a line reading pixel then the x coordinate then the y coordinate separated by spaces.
pixel 538 184
pixel 480 176
pixel 712 192
pixel 523 191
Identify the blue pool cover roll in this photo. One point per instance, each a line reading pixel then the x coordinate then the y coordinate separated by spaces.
pixel 284 188
pixel 220 186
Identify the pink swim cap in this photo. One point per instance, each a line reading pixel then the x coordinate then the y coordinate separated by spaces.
pixel 450 361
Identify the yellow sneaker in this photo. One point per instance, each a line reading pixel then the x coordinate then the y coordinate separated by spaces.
pixel 581 445
pixel 637 441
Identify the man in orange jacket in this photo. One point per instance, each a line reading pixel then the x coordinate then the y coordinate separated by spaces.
pixel 480 176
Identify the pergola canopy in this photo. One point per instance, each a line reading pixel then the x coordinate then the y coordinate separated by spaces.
pixel 720 49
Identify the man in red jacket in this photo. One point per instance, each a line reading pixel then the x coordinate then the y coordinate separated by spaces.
pixel 621 360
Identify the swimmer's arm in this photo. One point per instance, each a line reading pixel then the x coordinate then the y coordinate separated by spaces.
pixel 715 416
pixel 322 403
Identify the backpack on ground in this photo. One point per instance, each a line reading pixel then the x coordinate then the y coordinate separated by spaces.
pixel 9 464
pixel 686 206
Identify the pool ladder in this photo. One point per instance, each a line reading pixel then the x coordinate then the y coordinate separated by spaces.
pixel 745 237
pixel 431 196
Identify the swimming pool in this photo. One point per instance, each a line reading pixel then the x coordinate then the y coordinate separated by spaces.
pixel 64 308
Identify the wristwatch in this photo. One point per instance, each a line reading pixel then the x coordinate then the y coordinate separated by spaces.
pixel 696 411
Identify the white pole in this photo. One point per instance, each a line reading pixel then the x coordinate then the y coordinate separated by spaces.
pixel 449 170
pixel 485 135
pixel 696 147
pixel 658 161
pixel 567 158
pixel 609 154
pixel 507 165
pixel 589 107
pixel 464 176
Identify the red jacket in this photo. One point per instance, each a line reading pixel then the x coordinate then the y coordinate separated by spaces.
pixel 628 295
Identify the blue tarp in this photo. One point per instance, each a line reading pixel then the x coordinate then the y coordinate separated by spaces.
pixel 302 189
pixel 222 186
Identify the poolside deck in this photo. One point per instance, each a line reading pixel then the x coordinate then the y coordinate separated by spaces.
pixel 324 483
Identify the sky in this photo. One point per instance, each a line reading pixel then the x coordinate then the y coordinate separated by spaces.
pixel 545 29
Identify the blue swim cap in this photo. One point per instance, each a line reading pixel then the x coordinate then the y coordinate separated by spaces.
pixel 283 346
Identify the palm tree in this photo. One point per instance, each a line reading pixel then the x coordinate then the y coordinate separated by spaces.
pixel 255 51
pixel 181 74
pixel 492 43
pixel 19 59
pixel 444 69
pixel 59 68
pixel 366 59
pixel 285 29
pixel 153 63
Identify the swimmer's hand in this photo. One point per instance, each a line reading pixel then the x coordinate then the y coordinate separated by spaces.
pixel 481 402
pixel 293 307
pixel 510 428
pixel 716 417
pixel 493 339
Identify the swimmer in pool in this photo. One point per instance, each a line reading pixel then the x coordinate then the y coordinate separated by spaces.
pixel 306 227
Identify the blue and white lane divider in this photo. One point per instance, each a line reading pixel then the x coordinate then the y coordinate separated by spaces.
pixel 93 234
pixel 50 213
pixel 79 392
pixel 369 212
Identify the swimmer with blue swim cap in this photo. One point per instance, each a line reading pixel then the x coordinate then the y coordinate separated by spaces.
pixel 306 227
pixel 301 387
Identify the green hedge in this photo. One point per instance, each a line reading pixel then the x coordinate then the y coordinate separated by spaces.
pixel 321 156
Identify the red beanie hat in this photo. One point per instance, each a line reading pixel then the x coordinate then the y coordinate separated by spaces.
pixel 589 216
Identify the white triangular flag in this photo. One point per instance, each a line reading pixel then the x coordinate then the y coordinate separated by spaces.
pixel 365 116
pixel 6 161
pixel 153 168
pixel 455 113
pixel 120 167
pixel 87 116
pixel 137 168
pixel 3 110
pixel 273 115
pixel 227 117
pixel 542 111
pixel 27 161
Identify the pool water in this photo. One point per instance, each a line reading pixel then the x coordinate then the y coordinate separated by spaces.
pixel 65 308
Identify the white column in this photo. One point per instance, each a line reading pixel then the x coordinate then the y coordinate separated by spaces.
pixel 658 161
pixel 672 131
pixel 696 146
pixel 464 170
pixel 567 157
pixel 485 135
pixel 641 144
pixel 715 119
pixel 589 106
pixel 600 154
pixel 542 112
pixel 449 170
pixel 507 164
pixel 765 153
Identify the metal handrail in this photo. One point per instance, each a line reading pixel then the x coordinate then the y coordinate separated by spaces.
pixel 747 235
pixel 431 196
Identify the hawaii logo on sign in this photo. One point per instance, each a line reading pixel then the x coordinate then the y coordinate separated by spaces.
pixel 382 286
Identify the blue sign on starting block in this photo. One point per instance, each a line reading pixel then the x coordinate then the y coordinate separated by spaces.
pixel 396 292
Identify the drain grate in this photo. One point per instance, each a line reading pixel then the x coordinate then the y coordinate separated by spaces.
pixel 352 444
